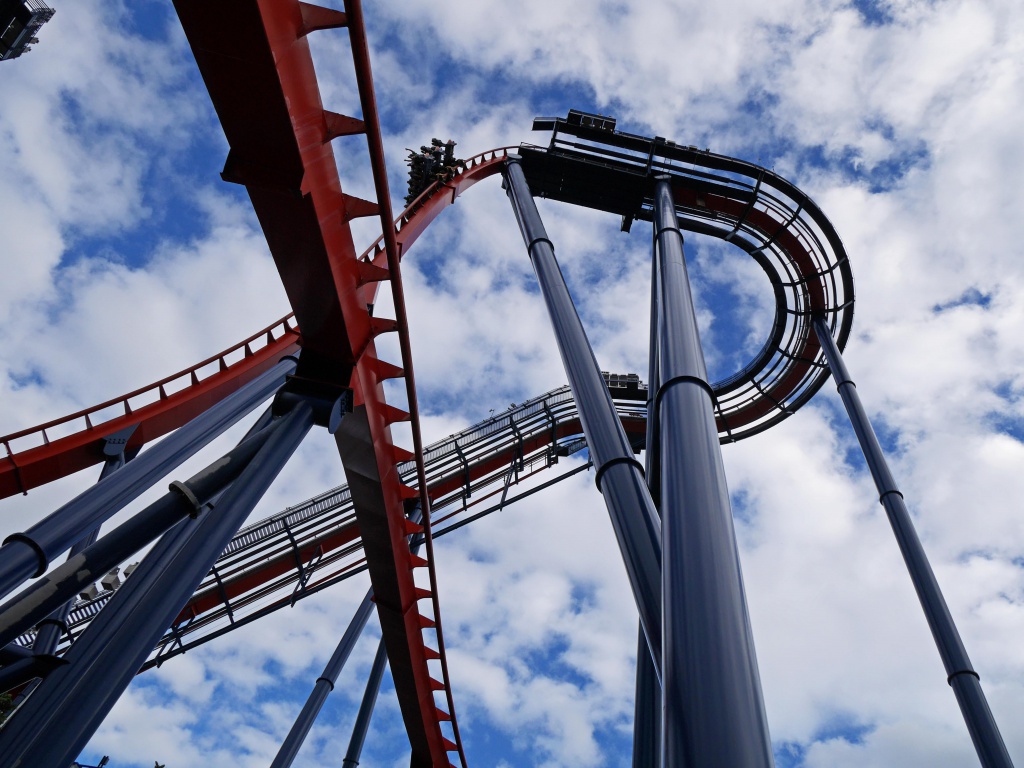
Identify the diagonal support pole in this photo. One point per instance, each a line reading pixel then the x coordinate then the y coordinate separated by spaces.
pixel 711 691
pixel 54 724
pixel 620 477
pixel 27 554
pixel 966 684
pixel 84 567
pixel 362 725
pixel 323 686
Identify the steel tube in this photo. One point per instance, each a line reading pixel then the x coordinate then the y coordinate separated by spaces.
pixel 652 463
pixel 362 724
pixel 11 653
pixel 620 477
pixel 61 584
pixel 56 722
pixel 27 554
pixel 966 684
pixel 53 626
pixel 325 683
pixel 27 670
pixel 647 721
pixel 711 691
pixel 50 629
pixel 323 686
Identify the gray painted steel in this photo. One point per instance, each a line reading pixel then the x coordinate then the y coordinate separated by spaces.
pixel 712 704
pixel 90 563
pixel 966 684
pixel 323 686
pixel 646 709
pixel 54 724
pixel 647 719
pixel 619 475
pixel 325 683
pixel 27 670
pixel 362 724
pixel 51 628
pixel 27 554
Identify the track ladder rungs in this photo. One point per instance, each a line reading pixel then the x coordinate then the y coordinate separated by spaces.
pixel 371 273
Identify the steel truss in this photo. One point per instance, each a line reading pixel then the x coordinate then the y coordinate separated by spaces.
pixel 204 576
pixel 273 563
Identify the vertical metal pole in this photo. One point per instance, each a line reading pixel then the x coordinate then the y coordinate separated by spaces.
pixel 647 721
pixel 323 686
pixel 27 554
pixel 713 709
pixel 52 627
pixel 653 463
pixel 620 477
pixel 362 724
pixel 185 499
pixel 960 674
pixel 54 725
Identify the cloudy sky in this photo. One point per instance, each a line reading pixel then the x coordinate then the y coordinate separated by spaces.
pixel 125 258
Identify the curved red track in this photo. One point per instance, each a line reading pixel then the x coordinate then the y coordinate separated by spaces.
pixel 256 63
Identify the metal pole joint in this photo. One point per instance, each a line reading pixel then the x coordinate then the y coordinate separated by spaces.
pixel 329 401
pixel 599 475
pixel 970 672
pixel 24 538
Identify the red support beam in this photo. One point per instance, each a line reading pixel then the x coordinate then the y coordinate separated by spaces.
pixel 255 60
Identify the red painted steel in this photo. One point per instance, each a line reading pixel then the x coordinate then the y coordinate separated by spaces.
pixel 255 60
pixel 155 412
pixel 282 562
pixel 49 459
pixel 368 100
pixel 371 438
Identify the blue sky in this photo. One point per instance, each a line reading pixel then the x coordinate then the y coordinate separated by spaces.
pixel 126 258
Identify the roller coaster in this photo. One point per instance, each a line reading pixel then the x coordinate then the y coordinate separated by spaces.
pixel 69 648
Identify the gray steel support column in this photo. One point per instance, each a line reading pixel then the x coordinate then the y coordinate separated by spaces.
pixel 54 724
pixel 620 477
pixel 323 686
pixel 960 674
pixel 653 447
pixel 325 683
pixel 27 670
pixel 647 721
pixel 713 709
pixel 362 724
pixel 83 568
pixel 27 554
pixel 51 628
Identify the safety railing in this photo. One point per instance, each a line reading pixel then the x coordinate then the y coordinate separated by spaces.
pixel 126 405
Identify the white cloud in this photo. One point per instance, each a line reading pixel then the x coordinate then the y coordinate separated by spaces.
pixel 537 611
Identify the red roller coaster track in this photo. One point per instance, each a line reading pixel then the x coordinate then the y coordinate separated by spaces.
pixel 255 60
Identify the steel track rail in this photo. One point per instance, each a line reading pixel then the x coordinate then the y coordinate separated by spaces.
pixel 58 448
pixel 268 558
pixel 255 61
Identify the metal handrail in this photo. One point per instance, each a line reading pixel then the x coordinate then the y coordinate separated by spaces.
pixel 159 388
